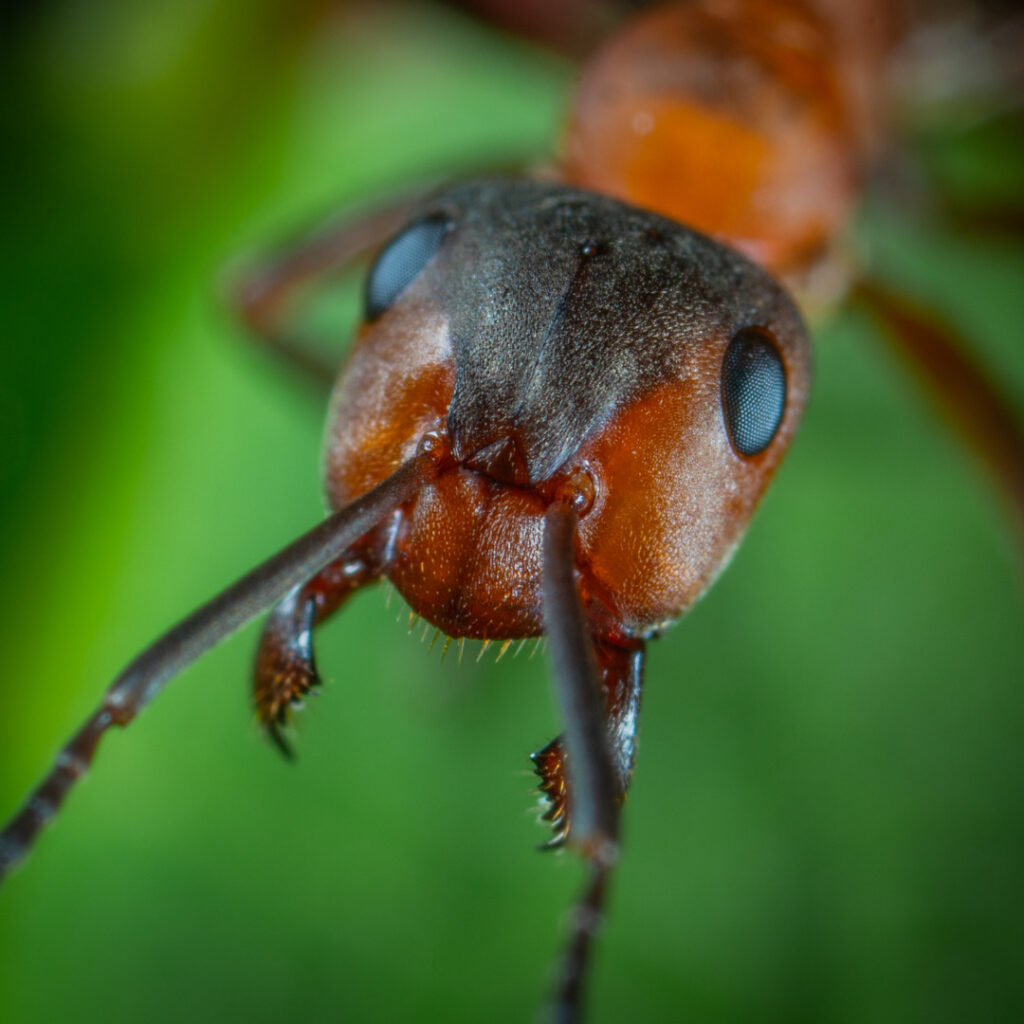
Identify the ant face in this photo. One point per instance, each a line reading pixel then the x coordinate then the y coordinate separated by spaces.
pixel 560 339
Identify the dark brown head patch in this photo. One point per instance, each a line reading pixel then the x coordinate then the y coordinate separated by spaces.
pixel 563 306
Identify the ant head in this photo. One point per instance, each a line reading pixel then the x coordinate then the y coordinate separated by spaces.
pixel 559 338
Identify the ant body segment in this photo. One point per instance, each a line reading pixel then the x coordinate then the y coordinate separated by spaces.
pixel 558 418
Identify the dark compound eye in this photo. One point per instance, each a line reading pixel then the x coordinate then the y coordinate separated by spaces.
pixel 753 390
pixel 401 262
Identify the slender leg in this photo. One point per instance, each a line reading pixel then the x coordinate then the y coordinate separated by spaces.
pixel 998 221
pixel 970 400
pixel 593 779
pixel 146 676
pixel 263 296
pixel 285 669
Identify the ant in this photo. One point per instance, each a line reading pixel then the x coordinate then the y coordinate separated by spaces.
pixel 577 492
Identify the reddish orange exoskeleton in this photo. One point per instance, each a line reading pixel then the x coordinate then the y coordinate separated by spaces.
pixel 563 405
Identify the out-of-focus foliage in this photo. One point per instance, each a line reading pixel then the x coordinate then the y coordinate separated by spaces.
pixel 825 823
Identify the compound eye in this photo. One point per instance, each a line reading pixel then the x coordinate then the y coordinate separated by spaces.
pixel 402 262
pixel 753 390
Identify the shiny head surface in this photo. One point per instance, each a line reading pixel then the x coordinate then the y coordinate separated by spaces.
pixel 558 338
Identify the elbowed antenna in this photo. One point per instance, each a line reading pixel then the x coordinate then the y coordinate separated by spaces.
pixel 146 676
pixel 592 779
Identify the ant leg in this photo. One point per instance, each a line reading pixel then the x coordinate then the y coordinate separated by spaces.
pixel 621 682
pixel 285 669
pixel 263 295
pixel 969 399
pixel 146 676
pixel 593 778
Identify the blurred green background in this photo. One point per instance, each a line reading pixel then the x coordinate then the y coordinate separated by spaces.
pixel 826 822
